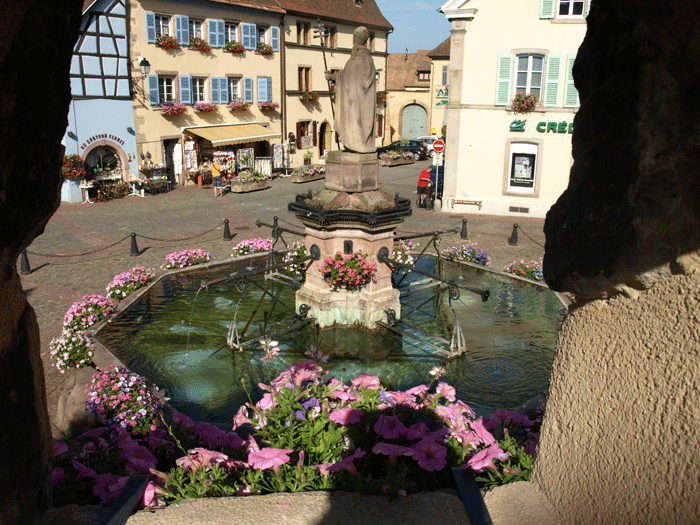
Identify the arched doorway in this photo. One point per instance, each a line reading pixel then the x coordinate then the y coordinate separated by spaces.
pixel 325 139
pixel 106 159
pixel 414 120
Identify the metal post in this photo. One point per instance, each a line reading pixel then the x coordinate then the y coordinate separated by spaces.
pixel 513 239
pixel 227 231
pixel 134 247
pixel 464 234
pixel 24 268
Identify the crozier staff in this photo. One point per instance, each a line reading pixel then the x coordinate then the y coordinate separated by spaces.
pixel 356 97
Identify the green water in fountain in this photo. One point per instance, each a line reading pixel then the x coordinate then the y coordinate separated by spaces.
pixel 176 336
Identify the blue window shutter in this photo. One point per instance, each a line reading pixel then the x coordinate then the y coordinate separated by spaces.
pixel 151 28
pixel 552 81
pixel 186 89
pixel 185 27
pixel 505 73
pixel 269 90
pixel 262 90
pixel 214 89
pixel 221 31
pixel 248 89
pixel 223 90
pixel 249 32
pixel 153 98
pixel 547 9
pixel 178 30
pixel 570 93
pixel 212 35
pixel 275 38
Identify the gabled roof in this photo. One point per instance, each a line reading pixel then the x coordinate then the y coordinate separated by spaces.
pixel 360 12
pixel 264 5
pixel 441 51
pixel 402 70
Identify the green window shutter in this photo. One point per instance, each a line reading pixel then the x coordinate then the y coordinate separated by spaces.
pixel 505 73
pixel 570 94
pixel 151 28
pixel 547 9
pixel 553 80
pixel 588 7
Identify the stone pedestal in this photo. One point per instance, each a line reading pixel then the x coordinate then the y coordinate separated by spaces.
pixel 352 172
pixel 365 306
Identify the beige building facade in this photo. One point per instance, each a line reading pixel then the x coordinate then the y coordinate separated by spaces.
pixel 499 161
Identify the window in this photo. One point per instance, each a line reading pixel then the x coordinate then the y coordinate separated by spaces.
pixel 528 78
pixel 444 75
pixel 165 90
pixel 195 28
pixel 303 30
pixel 262 35
pixel 162 25
pixel 331 37
pixel 304 134
pixel 304 79
pixel 234 87
pixel 198 90
pixel 424 75
pixel 523 170
pixel 570 9
pixel 231 32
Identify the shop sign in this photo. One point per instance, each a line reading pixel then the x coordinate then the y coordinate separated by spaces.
pixel 555 127
pixel 518 125
pixel 101 137
pixel 442 92
pixel 441 103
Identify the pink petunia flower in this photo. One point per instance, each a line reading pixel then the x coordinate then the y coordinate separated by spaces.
pixel 348 464
pixel 484 458
pixel 108 487
pixel 323 469
pixel 241 418
pixel 430 454
pixel 416 390
pixel 366 381
pixel 390 427
pixel 481 432
pixel 153 496
pixel 343 396
pixel 391 450
pixel 269 457
pixel 346 416
pixel 267 402
pixel 446 391
pixel 83 471
pixel 201 457
pixel 139 459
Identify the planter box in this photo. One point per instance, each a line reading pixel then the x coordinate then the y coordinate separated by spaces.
pixel 71 192
pixel 244 187
pixel 299 179
pixel 397 162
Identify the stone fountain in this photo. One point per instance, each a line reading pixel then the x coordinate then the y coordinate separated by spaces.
pixel 351 213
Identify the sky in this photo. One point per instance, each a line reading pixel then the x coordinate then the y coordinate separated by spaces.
pixel 417 24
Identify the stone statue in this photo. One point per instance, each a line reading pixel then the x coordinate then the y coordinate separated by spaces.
pixel 356 97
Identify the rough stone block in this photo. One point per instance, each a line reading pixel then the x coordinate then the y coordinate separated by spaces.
pixel 352 172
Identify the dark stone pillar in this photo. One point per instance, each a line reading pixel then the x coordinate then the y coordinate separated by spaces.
pixel 36 45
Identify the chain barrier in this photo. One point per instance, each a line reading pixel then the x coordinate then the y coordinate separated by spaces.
pixel 526 235
pixel 181 238
pixel 90 252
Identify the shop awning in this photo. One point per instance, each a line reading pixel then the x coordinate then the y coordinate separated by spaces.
pixel 234 133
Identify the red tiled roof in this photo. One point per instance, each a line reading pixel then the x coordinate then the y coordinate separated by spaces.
pixel 360 12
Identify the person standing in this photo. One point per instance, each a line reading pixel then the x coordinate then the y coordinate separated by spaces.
pixel 216 178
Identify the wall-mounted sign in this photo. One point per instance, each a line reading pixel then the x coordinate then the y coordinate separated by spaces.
pixel 442 91
pixel 441 103
pixel 518 125
pixel 555 127
pixel 101 137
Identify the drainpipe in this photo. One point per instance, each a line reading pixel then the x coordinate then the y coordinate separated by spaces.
pixel 283 79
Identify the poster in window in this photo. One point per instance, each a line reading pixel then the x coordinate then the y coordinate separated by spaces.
pixel 522 172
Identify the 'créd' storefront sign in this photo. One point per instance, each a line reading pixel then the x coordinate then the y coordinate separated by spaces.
pixel 102 136
pixel 544 127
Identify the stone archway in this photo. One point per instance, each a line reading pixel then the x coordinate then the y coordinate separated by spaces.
pixel 123 158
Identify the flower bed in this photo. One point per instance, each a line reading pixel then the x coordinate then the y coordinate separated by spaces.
pixel 185 258
pixel 205 107
pixel 173 110
pixel 308 173
pixel 396 158
pixel 199 44
pixel 467 253
pixel 71 350
pixel 529 270
pixel 87 311
pixel 250 246
pixel 349 272
pixel 125 283
pixel 238 105
pixel 167 42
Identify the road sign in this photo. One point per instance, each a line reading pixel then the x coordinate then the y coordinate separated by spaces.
pixel 439 145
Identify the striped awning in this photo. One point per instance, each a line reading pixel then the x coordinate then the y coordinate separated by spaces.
pixel 234 133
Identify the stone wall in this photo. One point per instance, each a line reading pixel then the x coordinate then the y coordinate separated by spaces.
pixel 35 52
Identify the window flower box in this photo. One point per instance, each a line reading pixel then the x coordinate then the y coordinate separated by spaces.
pixel 309 96
pixel 199 44
pixel 307 174
pixel 524 103
pixel 167 42
pixel 238 105
pixel 267 106
pixel 264 49
pixel 173 110
pixel 204 107
pixel 234 47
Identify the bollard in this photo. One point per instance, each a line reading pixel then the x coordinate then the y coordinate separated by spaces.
pixel 200 182
pixel 227 231
pixel 464 233
pixel 134 247
pixel 513 239
pixel 24 268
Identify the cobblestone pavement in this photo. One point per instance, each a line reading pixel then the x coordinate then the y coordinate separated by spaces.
pixel 85 245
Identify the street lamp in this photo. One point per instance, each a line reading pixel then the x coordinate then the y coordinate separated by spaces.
pixel 145 67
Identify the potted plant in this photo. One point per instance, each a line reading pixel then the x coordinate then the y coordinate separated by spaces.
pixel 73 167
pixel 381 97
pixel 238 105
pixel 204 107
pixel 167 42
pixel 267 106
pixel 173 109
pixel 308 173
pixel 199 44
pixel 396 158
pixel 308 155
pixel 234 47
pixel 524 103
pixel 349 272
pixel 264 49
pixel 309 96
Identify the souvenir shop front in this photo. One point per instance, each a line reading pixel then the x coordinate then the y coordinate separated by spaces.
pixel 235 147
